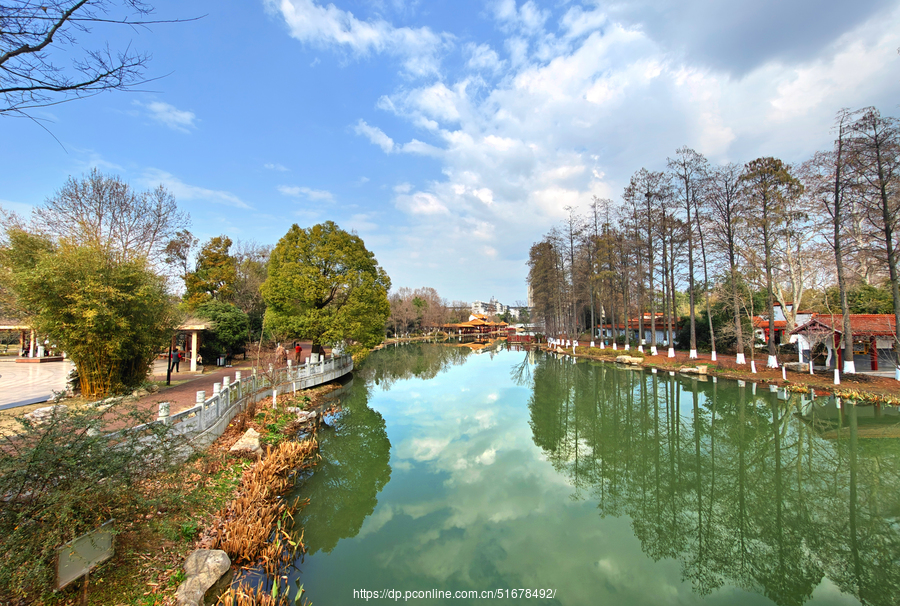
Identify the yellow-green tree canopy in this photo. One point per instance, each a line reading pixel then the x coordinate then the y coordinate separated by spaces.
pixel 110 316
pixel 324 285
pixel 83 272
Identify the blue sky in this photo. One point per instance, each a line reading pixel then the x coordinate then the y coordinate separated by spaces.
pixel 452 135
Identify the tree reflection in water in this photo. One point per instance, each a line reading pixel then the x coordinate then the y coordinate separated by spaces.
pixel 422 361
pixel 356 450
pixel 740 488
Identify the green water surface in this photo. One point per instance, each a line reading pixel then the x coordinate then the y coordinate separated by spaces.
pixel 452 470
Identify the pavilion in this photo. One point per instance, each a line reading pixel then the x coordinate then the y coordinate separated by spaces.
pixel 873 340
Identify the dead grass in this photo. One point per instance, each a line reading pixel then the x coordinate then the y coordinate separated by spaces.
pixel 151 547
pixel 244 528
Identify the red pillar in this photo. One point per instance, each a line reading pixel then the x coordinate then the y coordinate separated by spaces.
pixel 873 354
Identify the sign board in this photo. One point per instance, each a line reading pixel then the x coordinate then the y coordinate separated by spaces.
pixel 77 557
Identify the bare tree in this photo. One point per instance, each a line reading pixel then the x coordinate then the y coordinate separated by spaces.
pixel 726 209
pixel 42 63
pixel 574 227
pixel 828 183
pixel 688 171
pixel 651 188
pixel 103 212
pixel 876 155
pixel 797 255
pixel 767 184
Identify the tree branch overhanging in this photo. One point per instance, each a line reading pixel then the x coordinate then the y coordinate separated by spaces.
pixel 35 36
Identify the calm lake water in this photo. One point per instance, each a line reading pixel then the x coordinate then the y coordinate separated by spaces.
pixel 453 470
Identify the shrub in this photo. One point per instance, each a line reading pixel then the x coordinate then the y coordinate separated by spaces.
pixel 63 478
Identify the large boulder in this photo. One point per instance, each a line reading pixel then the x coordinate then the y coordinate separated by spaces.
pixel 629 360
pixel 248 442
pixel 202 569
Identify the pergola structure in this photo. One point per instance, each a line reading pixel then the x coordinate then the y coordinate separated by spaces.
pixel 192 327
pixel 9 325
pixel 477 324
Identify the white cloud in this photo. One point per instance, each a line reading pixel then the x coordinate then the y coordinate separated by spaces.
pixel 19 208
pixel 527 18
pixel 375 135
pixel 169 115
pixel 362 222
pixel 569 102
pixel 308 193
pixel 482 58
pixel 274 166
pixel 152 177
pixel 311 23
pixel 421 203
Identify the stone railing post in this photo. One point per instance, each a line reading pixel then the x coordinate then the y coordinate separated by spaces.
pixel 164 412
pixel 274 397
pixel 254 381
pixel 240 386
pixel 226 389
pixel 217 394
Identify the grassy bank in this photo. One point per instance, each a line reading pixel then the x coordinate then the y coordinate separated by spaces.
pixel 860 387
pixel 166 515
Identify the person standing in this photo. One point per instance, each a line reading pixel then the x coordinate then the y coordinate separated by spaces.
pixel 175 359
pixel 298 351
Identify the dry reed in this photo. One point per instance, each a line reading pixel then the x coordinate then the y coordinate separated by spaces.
pixel 245 595
pixel 246 526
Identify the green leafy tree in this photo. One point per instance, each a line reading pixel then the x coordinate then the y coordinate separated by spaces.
pixel 215 275
pixel 110 316
pixel 323 284
pixel 230 331
pixel 864 299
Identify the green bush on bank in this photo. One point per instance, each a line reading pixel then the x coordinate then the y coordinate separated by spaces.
pixel 66 477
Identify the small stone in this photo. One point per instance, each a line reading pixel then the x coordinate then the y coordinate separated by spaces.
pixel 42 416
pixel 140 393
pixel 249 442
pixel 203 568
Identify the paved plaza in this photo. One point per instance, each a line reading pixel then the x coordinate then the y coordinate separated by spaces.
pixel 22 384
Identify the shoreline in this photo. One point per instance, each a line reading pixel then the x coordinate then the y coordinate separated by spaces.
pixel 862 388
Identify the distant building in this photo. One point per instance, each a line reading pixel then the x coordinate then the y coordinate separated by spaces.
pixel 495 308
